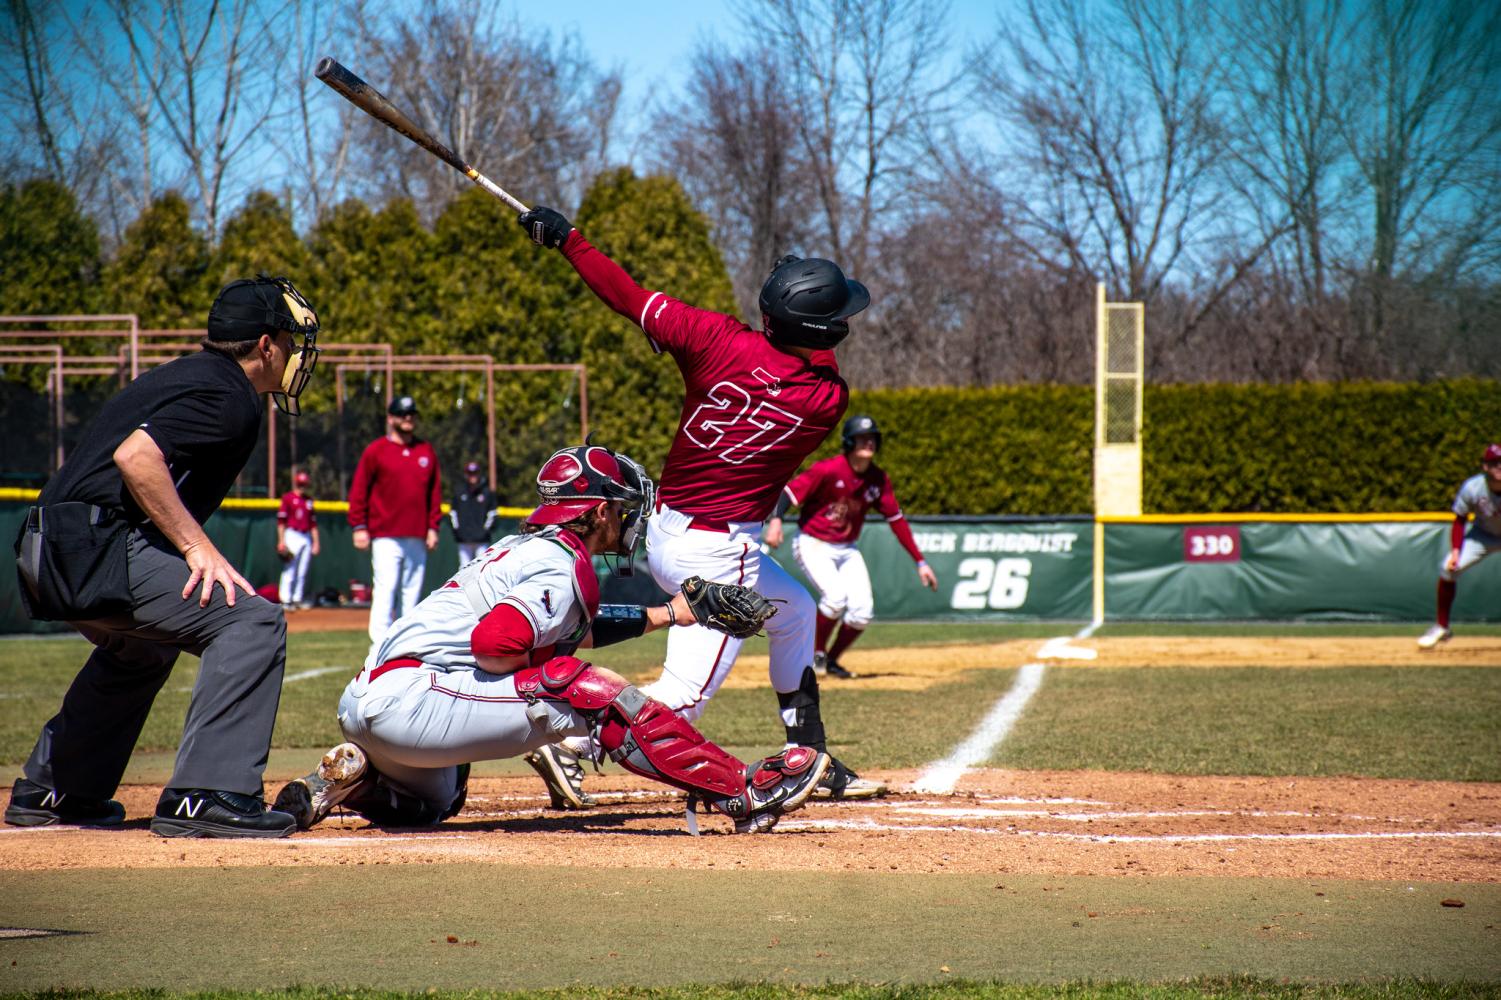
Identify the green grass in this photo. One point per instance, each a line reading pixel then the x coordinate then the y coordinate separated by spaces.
pixel 1203 988
pixel 1386 722
pixel 551 927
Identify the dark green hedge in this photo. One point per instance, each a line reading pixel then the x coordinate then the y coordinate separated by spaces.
pixel 1316 448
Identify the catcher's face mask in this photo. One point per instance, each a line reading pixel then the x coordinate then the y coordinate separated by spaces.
pixel 250 308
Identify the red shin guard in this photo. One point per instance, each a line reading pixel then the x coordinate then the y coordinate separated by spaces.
pixel 653 741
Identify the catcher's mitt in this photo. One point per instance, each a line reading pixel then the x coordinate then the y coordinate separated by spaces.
pixel 726 607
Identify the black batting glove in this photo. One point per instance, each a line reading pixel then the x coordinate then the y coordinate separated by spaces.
pixel 545 227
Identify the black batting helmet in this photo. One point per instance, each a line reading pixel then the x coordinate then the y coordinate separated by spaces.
pixel 856 426
pixel 806 302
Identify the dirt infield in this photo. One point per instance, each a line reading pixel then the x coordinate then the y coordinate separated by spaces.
pixel 998 822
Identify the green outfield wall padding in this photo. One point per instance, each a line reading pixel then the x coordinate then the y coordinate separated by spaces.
pixel 1375 570
pixel 987 571
pixel 1004 569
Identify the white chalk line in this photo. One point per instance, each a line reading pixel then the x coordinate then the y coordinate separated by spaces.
pixel 301 675
pixel 876 826
pixel 1086 817
pixel 941 776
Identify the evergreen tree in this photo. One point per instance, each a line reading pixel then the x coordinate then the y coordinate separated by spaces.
pixel 497 295
pixel 649 227
pixel 259 239
pixel 49 251
pixel 160 270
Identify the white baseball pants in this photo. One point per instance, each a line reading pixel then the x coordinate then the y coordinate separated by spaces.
pixel 417 724
pixel 469 550
pixel 294 570
pixel 395 563
pixel 838 570
pixel 1477 546
pixel 699 659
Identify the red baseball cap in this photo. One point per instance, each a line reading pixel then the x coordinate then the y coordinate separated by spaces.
pixel 302 479
pixel 1492 454
pixel 573 482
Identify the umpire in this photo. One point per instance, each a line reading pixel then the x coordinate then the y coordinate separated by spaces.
pixel 116 547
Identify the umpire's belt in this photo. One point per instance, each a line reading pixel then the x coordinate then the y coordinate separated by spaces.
pixel 396 664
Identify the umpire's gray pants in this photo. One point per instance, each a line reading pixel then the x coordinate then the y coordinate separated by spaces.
pixel 83 749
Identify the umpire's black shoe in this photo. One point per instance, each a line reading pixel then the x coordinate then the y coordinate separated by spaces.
pixel 203 812
pixel 34 805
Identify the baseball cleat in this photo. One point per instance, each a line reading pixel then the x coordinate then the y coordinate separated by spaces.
pixel 773 786
pixel 833 669
pixel 562 771
pixel 1434 636
pixel 839 782
pixel 820 663
pixel 310 799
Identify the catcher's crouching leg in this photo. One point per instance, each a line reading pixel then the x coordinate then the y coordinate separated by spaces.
pixel 646 737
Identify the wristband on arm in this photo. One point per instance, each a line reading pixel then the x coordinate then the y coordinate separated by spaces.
pixel 618 622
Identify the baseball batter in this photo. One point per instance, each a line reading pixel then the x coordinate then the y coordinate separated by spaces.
pixel 481 670
pixel 1469 542
pixel 296 539
pixel 834 495
pixel 756 403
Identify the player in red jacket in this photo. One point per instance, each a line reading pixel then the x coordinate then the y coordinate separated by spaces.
pixel 395 503
pixel 834 495
pixel 756 403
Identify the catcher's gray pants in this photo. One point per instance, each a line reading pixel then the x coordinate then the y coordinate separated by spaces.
pixel 417 724
pixel 83 749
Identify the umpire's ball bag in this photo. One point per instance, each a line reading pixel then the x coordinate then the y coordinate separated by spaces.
pixel 71 560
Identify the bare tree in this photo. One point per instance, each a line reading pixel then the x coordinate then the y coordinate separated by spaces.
pixel 531 113
pixel 866 80
pixel 733 141
pixel 61 125
pixel 1427 142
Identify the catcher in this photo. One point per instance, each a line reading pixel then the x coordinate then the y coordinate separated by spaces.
pixel 482 669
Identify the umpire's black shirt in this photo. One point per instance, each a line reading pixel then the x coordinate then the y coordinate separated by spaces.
pixel 201 411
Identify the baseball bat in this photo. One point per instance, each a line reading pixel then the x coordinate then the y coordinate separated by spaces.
pixel 374 103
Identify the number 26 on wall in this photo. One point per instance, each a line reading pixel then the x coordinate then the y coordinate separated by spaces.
pixel 994 584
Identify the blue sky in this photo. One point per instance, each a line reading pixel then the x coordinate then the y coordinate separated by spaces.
pixel 651 44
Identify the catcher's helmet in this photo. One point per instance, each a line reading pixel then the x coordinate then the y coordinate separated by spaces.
pixel 1492 454
pixel 402 406
pixel 576 480
pixel 858 425
pixel 806 302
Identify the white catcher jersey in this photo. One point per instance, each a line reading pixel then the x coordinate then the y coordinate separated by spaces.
pixel 1475 497
pixel 549 577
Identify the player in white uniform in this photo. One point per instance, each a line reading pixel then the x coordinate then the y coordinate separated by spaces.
pixel 1468 542
pixel 756 403
pixel 480 670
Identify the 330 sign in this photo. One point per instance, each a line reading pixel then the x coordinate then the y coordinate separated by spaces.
pixel 1203 543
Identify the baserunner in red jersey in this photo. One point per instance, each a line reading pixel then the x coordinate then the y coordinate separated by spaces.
pixel 756 403
pixel 834 495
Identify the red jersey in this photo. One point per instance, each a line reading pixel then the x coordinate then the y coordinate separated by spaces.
pixel 834 499
pixel 296 512
pixel 751 412
pixel 396 491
